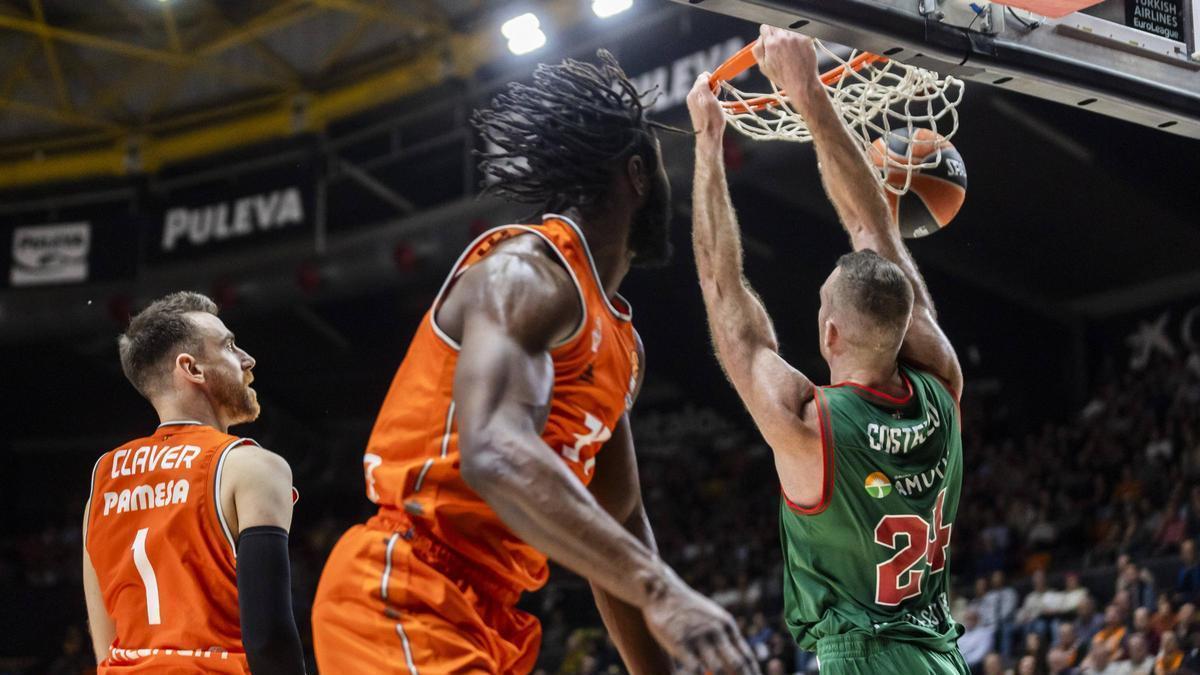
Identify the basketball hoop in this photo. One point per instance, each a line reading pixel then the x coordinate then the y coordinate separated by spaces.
pixel 876 96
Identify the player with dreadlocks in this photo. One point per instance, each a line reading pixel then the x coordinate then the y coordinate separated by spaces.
pixel 504 440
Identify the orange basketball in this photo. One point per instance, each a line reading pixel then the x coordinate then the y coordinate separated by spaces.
pixel 935 194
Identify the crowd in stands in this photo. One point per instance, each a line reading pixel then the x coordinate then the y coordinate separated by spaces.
pixel 1074 550
pixel 1106 504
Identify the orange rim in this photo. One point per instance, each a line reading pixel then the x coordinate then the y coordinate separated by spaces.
pixel 744 59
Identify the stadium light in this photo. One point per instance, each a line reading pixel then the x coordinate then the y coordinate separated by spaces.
pixel 524 33
pixel 607 8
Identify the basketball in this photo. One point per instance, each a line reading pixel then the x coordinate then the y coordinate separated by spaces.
pixel 935 194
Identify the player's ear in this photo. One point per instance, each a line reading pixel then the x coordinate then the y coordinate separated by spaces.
pixel 187 365
pixel 637 171
pixel 829 335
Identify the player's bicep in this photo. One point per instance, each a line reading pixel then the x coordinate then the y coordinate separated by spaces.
pixel 504 374
pixel 927 347
pixel 498 381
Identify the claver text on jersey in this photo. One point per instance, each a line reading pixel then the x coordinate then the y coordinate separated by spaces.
pixel 128 462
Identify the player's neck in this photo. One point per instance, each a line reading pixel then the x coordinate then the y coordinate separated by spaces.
pixel 883 377
pixel 607 237
pixel 191 411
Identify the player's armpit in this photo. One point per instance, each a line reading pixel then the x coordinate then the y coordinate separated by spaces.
pixel 256 489
pixel 101 624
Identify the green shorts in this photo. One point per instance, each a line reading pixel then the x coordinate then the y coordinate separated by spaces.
pixel 864 655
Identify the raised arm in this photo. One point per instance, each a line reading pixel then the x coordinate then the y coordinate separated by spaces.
pixel 790 60
pixel 516 304
pixel 256 495
pixel 777 395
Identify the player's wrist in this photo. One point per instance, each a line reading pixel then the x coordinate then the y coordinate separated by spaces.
pixel 803 92
pixel 653 583
pixel 709 140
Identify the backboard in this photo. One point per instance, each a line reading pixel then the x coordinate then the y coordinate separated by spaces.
pixel 1136 60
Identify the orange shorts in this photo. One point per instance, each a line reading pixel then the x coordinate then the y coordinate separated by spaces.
pixel 383 607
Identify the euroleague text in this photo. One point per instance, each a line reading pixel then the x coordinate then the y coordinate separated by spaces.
pixel 128 462
pixel 899 440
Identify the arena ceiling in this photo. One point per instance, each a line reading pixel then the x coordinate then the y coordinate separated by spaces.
pixel 109 87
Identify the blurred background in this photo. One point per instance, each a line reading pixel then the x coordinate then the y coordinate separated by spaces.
pixel 307 163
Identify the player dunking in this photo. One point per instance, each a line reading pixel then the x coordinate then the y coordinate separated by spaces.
pixel 187 524
pixel 870 468
pixel 505 438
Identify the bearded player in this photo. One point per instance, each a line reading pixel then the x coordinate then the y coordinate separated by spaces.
pixel 185 566
pixel 870 468
pixel 505 439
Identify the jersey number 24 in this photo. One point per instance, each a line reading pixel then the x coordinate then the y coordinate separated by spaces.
pixel 896 580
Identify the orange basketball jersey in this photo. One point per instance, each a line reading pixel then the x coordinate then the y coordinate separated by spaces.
pixel 412 458
pixel 163 554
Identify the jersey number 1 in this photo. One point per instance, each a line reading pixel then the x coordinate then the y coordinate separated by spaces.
pixel 890 587
pixel 146 570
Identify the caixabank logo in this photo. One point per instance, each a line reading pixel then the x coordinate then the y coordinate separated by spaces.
pixel 50 254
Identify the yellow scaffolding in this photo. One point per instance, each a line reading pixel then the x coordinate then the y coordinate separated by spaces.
pixel 269 116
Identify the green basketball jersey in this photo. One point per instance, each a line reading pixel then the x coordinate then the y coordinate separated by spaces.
pixel 873 557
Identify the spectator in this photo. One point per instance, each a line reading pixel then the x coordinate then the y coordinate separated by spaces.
pixel 999 606
pixel 993 664
pixel 775 667
pixel 1138 582
pixel 976 603
pixel 1098 662
pixel 1164 618
pixel 1140 661
pixel 1032 615
pixel 1029 665
pixel 1035 650
pixel 1088 621
pixel 1066 647
pixel 1113 632
pixel 758 637
pixel 1187 584
pixel 1057 663
pixel 1170 656
pixel 1185 623
pixel 1173 527
pixel 1073 596
pixel 977 641
pixel 1141 626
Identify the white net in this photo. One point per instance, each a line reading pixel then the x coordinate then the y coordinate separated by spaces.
pixel 877 97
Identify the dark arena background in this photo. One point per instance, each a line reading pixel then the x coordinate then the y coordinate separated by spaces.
pixel 308 164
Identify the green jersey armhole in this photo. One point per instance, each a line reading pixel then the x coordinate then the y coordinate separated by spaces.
pixel 825 423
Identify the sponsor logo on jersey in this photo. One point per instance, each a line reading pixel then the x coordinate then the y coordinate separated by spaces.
pixel 877 485
pixel 913 484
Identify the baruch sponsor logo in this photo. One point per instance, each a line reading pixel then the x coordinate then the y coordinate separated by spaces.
pixel 47 254
pixel 203 225
pixel 877 485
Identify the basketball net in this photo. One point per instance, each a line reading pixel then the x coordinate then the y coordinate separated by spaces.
pixel 878 98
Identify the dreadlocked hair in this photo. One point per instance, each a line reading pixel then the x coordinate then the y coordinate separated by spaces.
pixel 554 142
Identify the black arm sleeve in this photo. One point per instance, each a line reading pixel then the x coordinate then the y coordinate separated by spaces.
pixel 264 579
